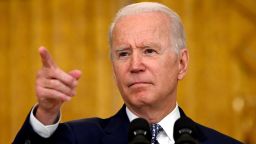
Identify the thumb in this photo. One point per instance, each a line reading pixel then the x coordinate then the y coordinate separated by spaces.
pixel 75 74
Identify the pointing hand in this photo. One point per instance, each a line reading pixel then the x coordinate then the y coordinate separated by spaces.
pixel 53 88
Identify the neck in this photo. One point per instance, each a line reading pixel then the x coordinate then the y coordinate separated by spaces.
pixel 153 113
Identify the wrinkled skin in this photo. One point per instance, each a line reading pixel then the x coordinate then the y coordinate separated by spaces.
pixel 146 66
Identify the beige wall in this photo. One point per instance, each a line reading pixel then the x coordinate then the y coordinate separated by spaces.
pixel 219 90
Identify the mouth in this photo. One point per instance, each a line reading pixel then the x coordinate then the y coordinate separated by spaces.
pixel 135 84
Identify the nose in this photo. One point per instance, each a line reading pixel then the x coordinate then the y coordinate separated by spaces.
pixel 137 64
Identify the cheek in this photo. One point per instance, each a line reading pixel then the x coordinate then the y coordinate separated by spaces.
pixel 168 72
pixel 119 73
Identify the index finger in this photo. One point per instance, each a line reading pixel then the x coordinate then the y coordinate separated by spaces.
pixel 46 58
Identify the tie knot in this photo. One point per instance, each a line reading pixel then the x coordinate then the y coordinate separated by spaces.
pixel 155 129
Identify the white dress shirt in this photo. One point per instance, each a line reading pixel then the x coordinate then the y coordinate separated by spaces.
pixel 44 131
pixel 167 123
pixel 164 137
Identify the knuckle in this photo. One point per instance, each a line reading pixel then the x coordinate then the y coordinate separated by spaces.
pixel 73 92
pixel 49 73
pixel 39 92
pixel 68 92
pixel 52 83
pixel 70 81
pixel 39 81
pixel 75 83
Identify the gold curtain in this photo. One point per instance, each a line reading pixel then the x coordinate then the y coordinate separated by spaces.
pixel 219 90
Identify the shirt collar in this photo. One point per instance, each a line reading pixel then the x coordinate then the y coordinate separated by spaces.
pixel 131 116
pixel 167 123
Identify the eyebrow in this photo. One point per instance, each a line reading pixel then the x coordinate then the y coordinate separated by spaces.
pixel 151 44
pixel 122 48
pixel 142 45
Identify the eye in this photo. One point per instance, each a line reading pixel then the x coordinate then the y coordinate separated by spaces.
pixel 150 51
pixel 123 54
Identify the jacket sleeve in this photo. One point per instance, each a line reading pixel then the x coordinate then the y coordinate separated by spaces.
pixel 27 135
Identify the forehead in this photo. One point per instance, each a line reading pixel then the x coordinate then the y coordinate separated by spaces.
pixel 146 25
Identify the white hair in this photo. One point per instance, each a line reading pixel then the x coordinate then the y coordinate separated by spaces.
pixel 176 27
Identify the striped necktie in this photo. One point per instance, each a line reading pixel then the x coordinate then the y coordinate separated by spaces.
pixel 155 129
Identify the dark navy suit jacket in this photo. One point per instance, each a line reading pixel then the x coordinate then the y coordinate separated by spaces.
pixel 113 130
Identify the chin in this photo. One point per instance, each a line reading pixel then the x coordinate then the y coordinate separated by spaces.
pixel 139 97
pixel 142 99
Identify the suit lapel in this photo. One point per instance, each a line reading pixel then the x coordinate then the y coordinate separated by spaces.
pixel 199 135
pixel 116 132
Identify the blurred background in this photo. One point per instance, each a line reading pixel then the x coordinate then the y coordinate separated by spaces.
pixel 219 90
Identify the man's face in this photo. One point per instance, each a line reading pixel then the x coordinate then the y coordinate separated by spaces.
pixel 145 65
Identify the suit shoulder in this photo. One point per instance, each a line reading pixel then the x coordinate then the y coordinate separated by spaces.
pixel 212 136
pixel 88 122
pixel 89 130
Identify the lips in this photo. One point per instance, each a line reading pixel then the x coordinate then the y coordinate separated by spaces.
pixel 140 83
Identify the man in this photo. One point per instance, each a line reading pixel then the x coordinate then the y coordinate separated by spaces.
pixel 149 57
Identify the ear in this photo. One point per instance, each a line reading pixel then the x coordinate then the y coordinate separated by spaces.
pixel 183 63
